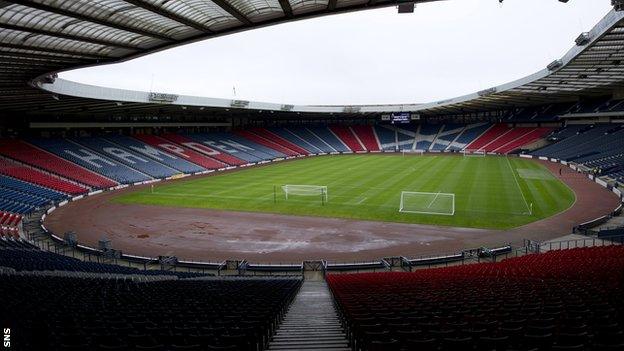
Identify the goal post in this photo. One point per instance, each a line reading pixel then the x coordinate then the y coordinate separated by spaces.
pixel 418 152
pixel 427 203
pixel 474 153
pixel 306 190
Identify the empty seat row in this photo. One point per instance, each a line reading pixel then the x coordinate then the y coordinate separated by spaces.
pixel 561 300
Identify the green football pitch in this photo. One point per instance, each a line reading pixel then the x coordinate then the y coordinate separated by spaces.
pixel 480 192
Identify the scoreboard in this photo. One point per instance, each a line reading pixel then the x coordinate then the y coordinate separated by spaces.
pixel 400 117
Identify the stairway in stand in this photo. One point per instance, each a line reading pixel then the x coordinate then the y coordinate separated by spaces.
pixel 311 322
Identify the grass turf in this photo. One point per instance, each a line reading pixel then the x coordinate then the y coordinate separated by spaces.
pixel 490 192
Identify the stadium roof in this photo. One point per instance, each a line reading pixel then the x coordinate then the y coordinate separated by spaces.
pixel 40 37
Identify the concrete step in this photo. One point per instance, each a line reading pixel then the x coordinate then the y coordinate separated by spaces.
pixel 311 322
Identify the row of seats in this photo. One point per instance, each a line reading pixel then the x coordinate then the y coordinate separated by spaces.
pixel 27 153
pixel 600 147
pixel 62 313
pixel 502 138
pixel 10 219
pixel 560 300
pixel 34 176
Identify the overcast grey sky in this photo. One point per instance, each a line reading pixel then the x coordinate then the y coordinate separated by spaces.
pixel 442 50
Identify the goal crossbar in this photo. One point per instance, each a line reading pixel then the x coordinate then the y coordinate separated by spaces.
pixel 427 203
pixel 305 190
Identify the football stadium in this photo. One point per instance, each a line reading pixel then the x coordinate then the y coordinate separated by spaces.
pixel 149 220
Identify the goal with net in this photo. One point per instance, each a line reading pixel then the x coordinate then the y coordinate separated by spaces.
pixel 305 190
pixel 474 153
pixel 413 152
pixel 427 203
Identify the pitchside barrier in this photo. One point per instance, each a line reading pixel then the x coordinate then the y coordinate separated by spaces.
pixel 427 203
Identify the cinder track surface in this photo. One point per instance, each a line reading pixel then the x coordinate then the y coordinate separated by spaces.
pixel 209 235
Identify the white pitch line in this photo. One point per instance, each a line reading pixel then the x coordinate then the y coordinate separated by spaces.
pixel 518 184
pixel 364 199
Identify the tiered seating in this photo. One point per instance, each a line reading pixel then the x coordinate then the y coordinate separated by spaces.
pixel 22 197
pixel 367 136
pixel 34 176
pixel 405 138
pixel 266 142
pixel 447 135
pixel 425 135
pixel 316 140
pixel 9 223
pixel 154 153
pixel 387 137
pixel 531 136
pixel 10 183
pixel 348 138
pixel 91 160
pixel 66 313
pixel 506 138
pixel 278 139
pixel 329 138
pixel 470 133
pixel 496 132
pixel 180 151
pixel 23 152
pixel 224 158
pixel 127 157
pixel 238 146
pixel 598 147
pixel 293 138
pixel 560 300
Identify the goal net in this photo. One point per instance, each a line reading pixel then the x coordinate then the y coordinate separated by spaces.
pixel 305 190
pixel 474 153
pixel 413 152
pixel 427 203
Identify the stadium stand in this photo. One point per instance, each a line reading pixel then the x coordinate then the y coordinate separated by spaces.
pixel 34 176
pixel 26 153
pixel 366 135
pixel 228 146
pixel 291 137
pixel 387 137
pixel 241 143
pixel 559 300
pixel 140 163
pixel 530 135
pixel 266 142
pixel 124 314
pixel 496 132
pixel 425 135
pixel 31 189
pixel 448 134
pixel 309 136
pixel 348 137
pixel 181 151
pixel 468 135
pixel 223 158
pixel 276 138
pixel 325 134
pixel 599 147
pixel 405 138
pixel 91 160
pixel 161 156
